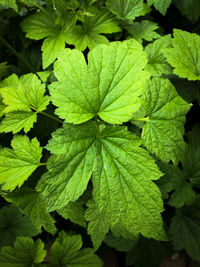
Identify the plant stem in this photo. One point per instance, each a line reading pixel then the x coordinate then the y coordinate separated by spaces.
pixel 141 119
pixel 50 116
pixel 14 52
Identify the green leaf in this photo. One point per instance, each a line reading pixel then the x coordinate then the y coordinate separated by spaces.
pixel 123 187
pixel 54 44
pixel 89 33
pixel 144 30
pixel 185 228
pixel 163 130
pixel 99 223
pixel 9 4
pixel 13 224
pixel 66 251
pixel 189 8
pixel 69 174
pixel 160 5
pixel 147 252
pixel 74 212
pixel 17 164
pixel 184 55
pixel 31 204
pixel 183 192
pixel 109 85
pixel 157 64
pixel 119 243
pixel 126 9
pixel 20 97
pixel 42 25
pixel 17 120
pixel 24 253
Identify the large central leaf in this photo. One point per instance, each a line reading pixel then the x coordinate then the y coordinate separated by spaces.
pixel 108 86
pixel 122 174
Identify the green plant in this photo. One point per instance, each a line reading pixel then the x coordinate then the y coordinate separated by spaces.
pixel 98 137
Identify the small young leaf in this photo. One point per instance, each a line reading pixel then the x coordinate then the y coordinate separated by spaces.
pixel 144 30
pixel 24 253
pixel 17 164
pixel 157 64
pixel 66 251
pixel 20 96
pixel 160 5
pixel 89 33
pixel 184 56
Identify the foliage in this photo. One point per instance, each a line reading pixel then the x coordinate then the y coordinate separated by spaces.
pixel 99 142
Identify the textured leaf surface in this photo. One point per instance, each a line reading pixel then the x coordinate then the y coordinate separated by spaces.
pixel 68 176
pixel 123 188
pixel 157 64
pixel 89 33
pixel 24 253
pixel 13 224
pixel 160 5
pixel 31 204
pixel 42 25
pixel 126 9
pixel 17 164
pixel 66 251
pixel 163 131
pixel 109 86
pixel 144 30
pixel 39 26
pixel 184 56
pixel 20 96
pixel 185 230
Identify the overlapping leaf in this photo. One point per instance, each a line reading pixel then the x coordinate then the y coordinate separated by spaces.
pixel 163 130
pixel 109 86
pixel 157 64
pixel 184 56
pixel 17 164
pixel 144 30
pixel 41 25
pixel 89 33
pixel 160 5
pixel 126 9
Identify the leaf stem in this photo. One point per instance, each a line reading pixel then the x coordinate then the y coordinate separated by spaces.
pixel 141 119
pixel 50 116
pixel 14 52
